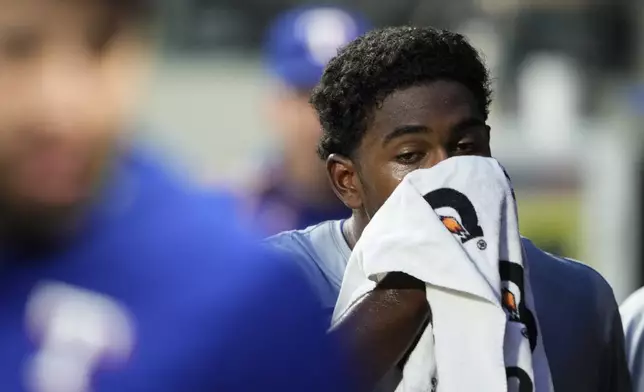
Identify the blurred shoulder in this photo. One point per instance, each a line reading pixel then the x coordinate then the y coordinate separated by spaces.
pixel 168 191
pixel 183 225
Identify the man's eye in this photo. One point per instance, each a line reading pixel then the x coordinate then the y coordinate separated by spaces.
pixel 409 158
pixel 465 147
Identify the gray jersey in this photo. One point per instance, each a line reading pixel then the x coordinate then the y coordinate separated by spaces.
pixel 633 318
pixel 579 318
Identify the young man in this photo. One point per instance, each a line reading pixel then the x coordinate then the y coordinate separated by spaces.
pixel 293 192
pixel 114 274
pixel 404 98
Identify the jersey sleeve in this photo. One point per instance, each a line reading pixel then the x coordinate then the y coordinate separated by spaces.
pixel 615 376
pixel 613 369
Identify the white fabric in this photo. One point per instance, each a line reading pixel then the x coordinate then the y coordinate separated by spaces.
pixel 472 339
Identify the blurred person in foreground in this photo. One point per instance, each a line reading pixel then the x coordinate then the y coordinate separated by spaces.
pixel 293 192
pixel 403 98
pixel 116 275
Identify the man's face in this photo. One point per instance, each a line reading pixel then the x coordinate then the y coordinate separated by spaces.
pixel 67 71
pixel 414 128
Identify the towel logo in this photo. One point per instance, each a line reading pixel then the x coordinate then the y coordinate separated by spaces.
pixel 468 227
pixel 510 304
pixel 455 227
pixel 513 299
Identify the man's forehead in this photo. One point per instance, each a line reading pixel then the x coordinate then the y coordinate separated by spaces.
pixel 418 104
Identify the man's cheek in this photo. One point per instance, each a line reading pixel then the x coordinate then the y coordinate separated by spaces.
pixel 398 173
pixel 381 194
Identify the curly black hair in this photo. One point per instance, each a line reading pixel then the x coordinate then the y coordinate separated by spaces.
pixel 373 66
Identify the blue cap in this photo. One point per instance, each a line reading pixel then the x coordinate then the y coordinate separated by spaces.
pixel 301 42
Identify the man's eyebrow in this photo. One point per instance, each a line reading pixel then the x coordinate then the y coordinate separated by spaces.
pixel 402 131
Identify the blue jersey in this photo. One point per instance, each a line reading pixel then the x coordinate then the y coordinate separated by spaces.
pixel 162 291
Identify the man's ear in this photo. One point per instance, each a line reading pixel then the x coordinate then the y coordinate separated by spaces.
pixel 345 180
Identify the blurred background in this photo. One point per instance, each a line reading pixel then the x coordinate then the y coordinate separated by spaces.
pixel 565 119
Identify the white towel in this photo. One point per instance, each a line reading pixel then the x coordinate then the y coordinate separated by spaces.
pixel 455 227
